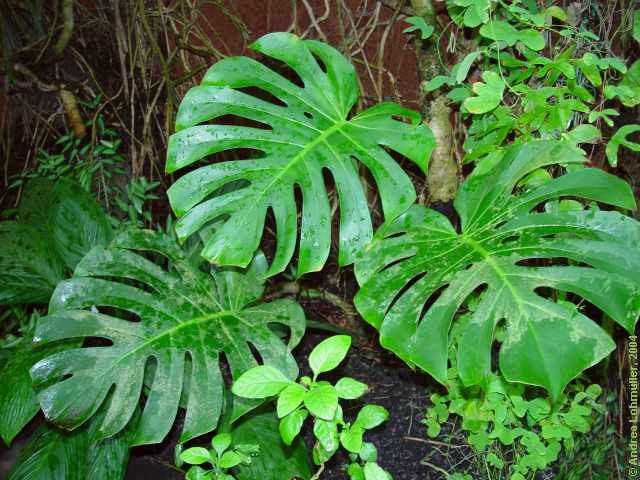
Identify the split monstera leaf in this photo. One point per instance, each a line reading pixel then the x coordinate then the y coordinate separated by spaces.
pixel 305 132
pixel 519 260
pixel 188 319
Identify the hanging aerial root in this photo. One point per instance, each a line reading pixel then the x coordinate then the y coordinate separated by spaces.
pixel 68 23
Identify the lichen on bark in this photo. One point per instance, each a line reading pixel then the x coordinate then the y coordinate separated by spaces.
pixel 442 180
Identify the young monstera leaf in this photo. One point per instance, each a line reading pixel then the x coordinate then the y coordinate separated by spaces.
pixel 187 320
pixel 515 258
pixel 308 132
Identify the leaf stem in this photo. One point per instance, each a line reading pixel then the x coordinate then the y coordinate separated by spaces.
pixel 316 475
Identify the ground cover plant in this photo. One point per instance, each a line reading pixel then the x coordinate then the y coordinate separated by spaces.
pixel 508 285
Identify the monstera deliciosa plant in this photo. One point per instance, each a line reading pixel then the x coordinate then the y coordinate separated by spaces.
pixel 305 133
pixel 419 271
pixel 144 328
pixel 165 309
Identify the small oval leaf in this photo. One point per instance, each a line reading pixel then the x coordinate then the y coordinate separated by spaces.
pixel 329 353
pixel 260 382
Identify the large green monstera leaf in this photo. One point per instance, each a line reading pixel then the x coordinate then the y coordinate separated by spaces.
pixel 519 262
pixel 188 320
pixel 305 134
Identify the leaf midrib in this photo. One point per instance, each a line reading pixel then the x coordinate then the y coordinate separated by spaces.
pixel 518 300
pixel 496 268
pixel 301 156
pixel 180 326
pixel 303 152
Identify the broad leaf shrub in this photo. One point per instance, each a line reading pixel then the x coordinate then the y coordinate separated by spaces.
pixel 516 432
pixel 320 400
pixel 538 234
pixel 221 457
pixel 187 318
pixel 55 453
pixel 18 401
pixel 309 132
pixel 275 460
pixel 529 72
pixel 56 224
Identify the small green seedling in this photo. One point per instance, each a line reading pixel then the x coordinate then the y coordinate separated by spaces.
pixel 363 464
pixel 320 399
pixel 503 419
pixel 220 457
pixel 419 24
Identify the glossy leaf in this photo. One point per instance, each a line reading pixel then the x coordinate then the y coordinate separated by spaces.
pixel 368 452
pixel 18 402
pixel 185 325
pixel 476 11
pixel 230 459
pixel 327 434
pixel 465 65
pixel 28 270
pixel 421 257
pixel 488 94
pixel 289 399
pixel 584 134
pixel 372 471
pixel 370 416
pixel 532 39
pixel 350 389
pixel 260 382
pixel 290 425
pixel 351 438
pixel 355 471
pixel 311 133
pixel 620 139
pixel 628 90
pixel 329 353
pixel 68 215
pixel 195 456
pixel 322 401
pixel 58 222
pixel 199 473
pixel 275 460
pixel 500 30
pixel 419 24
pixel 221 442
pixel 53 453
